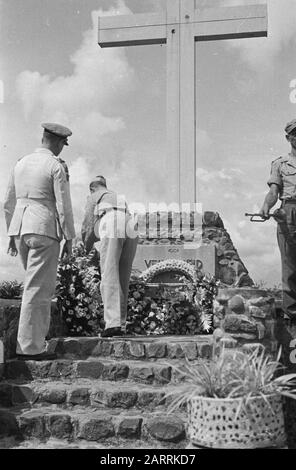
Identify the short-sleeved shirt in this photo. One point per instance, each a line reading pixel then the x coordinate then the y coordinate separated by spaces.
pixel 283 174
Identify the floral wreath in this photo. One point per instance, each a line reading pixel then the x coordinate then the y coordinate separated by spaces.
pixel 176 265
pixel 200 289
pixel 190 311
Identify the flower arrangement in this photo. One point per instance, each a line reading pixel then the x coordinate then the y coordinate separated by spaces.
pixel 78 294
pixel 145 315
pixel 185 311
pixel 197 289
pixel 160 312
pixel 202 292
pixel 173 265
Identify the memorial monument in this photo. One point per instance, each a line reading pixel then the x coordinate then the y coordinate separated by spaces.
pixel 179 26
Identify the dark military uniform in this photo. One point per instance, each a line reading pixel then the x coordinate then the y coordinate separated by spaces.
pixel 283 174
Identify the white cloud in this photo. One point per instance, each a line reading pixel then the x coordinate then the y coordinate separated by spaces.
pixel 100 78
pixel 1 92
pixel 261 258
pixel 228 174
pixel 204 175
pixel 80 172
pixel 203 140
pixel 88 131
pixel 230 193
pixel 242 224
pixel 260 53
pixel 31 86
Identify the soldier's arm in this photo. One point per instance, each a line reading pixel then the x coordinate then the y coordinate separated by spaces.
pixel 270 199
pixel 9 200
pixel 85 220
pixel 12 249
pixel 275 184
pixel 63 201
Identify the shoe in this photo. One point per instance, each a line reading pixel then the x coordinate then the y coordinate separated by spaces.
pixel 110 332
pixel 45 356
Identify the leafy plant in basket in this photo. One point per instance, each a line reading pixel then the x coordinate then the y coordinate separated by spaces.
pixel 235 400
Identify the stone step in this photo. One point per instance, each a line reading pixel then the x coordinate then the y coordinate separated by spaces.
pixel 135 347
pixel 146 372
pixel 89 425
pixel 89 394
pixel 12 442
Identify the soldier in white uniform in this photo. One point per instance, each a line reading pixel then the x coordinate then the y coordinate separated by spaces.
pixel 108 219
pixel 38 214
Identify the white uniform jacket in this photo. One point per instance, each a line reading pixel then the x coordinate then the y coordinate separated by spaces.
pixel 38 197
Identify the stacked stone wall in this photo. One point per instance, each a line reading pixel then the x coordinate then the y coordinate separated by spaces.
pixel 247 317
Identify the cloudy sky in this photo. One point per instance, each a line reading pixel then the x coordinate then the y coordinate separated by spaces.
pixel 114 100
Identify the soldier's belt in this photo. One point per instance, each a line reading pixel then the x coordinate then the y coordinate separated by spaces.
pixel 109 209
pixel 26 201
pixel 288 201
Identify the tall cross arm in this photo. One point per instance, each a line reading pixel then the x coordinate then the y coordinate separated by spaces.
pixel 132 30
pixel 230 22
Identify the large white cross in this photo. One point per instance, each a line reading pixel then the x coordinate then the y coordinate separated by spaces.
pixel 179 27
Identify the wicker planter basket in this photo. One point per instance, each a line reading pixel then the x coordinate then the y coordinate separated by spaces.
pixel 212 423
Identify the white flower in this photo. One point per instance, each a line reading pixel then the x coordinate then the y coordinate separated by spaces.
pixel 175 265
pixel 160 316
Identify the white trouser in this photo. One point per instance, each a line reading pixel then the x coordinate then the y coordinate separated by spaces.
pixel 39 255
pixel 116 259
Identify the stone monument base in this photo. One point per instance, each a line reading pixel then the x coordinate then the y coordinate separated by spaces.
pixel 243 317
pixel 248 317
